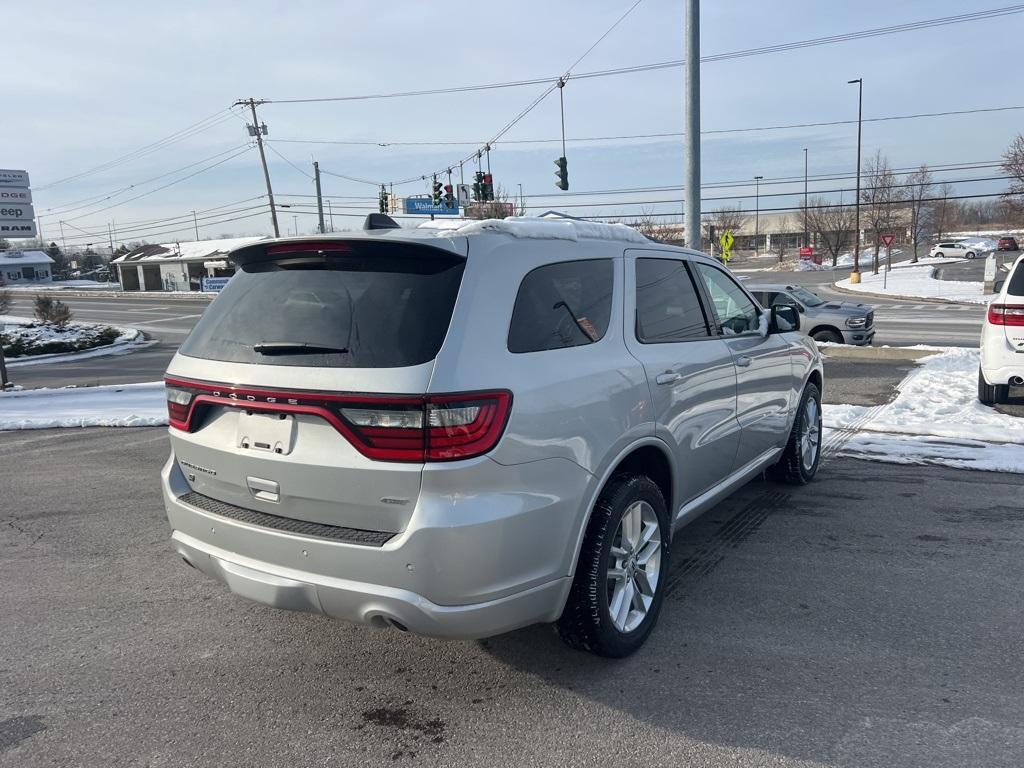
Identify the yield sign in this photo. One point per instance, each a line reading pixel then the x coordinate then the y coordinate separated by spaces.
pixel 888 240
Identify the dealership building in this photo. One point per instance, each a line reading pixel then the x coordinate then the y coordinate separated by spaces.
pixel 20 267
pixel 177 266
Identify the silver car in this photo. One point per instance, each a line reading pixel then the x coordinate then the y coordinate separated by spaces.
pixel 459 433
pixel 839 322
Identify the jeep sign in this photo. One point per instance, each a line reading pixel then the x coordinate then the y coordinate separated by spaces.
pixel 16 212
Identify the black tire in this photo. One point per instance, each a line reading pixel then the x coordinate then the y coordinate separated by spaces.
pixel 791 467
pixel 991 394
pixel 826 335
pixel 586 623
pixel 970 254
pixel 938 255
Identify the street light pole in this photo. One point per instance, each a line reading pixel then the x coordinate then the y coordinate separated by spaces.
pixel 691 194
pixel 855 275
pixel 757 213
pixel 807 240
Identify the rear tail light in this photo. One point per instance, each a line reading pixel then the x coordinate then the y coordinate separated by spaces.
pixel 1006 314
pixel 384 428
pixel 308 246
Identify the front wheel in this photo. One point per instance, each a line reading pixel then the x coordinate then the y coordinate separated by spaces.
pixel 826 335
pixel 619 585
pixel 970 254
pixel 802 455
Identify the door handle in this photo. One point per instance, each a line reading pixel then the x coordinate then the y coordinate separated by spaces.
pixel 743 361
pixel 668 377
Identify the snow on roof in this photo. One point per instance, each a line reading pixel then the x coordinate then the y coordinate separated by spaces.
pixel 544 229
pixel 18 258
pixel 190 250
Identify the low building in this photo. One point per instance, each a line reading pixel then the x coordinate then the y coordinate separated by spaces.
pixel 20 267
pixel 176 266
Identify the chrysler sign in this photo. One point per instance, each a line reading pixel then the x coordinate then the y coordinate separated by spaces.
pixel 9 178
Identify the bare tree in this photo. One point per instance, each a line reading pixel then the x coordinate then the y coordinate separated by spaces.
pixel 501 207
pixel 723 219
pixel 779 243
pixel 918 190
pixel 1013 166
pixel 943 210
pixel 878 198
pixel 831 225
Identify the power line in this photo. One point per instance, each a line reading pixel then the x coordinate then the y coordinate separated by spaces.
pixel 795 45
pixel 205 124
pixel 634 136
pixel 141 234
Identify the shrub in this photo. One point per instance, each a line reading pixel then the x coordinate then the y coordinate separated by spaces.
pixel 52 311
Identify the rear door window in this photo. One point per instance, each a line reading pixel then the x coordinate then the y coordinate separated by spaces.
pixel 667 305
pixel 568 304
pixel 372 308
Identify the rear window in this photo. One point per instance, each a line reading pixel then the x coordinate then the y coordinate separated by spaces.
pixel 373 310
pixel 568 304
pixel 1015 287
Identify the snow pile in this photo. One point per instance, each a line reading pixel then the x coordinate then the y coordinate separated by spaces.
pixel 935 419
pixel 806 265
pixel 548 229
pixel 981 243
pixel 29 335
pixel 916 282
pixel 125 405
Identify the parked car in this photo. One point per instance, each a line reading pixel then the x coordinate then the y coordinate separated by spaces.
pixel 950 249
pixel 1007 244
pixel 463 433
pixel 1002 340
pixel 840 322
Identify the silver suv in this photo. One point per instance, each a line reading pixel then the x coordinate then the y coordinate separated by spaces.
pixel 840 322
pixel 459 433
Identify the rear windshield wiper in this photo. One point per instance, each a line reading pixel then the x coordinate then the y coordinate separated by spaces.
pixel 296 348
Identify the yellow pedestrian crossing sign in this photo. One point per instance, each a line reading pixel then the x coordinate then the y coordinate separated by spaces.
pixel 726 240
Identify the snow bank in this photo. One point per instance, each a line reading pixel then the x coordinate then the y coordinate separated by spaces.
pixel 916 282
pixel 125 405
pixel 68 285
pixel 558 229
pixel 936 419
pixel 35 334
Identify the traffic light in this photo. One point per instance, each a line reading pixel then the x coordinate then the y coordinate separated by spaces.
pixel 383 202
pixel 478 183
pixel 487 187
pixel 449 196
pixel 562 173
pixel 435 195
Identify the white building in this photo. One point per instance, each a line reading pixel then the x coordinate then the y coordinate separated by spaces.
pixel 20 267
pixel 176 266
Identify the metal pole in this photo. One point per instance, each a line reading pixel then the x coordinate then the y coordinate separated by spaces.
pixel 110 235
pixel 4 381
pixel 319 196
pixel 691 195
pixel 807 240
pixel 757 214
pixel 63 242
pixel 295 221
pixel 263 159
pixel 195 221
pixel 331 213
pixel 856 206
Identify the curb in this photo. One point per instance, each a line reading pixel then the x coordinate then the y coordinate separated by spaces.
pixel 916 299
pixel 850 352
pixel 164 295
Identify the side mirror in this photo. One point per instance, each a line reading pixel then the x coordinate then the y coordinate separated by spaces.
pixel 784 319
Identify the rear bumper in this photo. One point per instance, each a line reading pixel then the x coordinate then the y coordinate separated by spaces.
pixel 372 604
pixel 999 361
pixel 859 338
pixel 466 567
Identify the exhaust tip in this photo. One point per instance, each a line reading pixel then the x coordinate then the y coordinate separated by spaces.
pixel 1016 381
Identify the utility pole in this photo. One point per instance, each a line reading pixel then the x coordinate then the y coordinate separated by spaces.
pixel 330 212
pixel 63 242
pixel 196 222
pixel 691 195
pixel 807 241
pixel 319 196
pixel 258 130
pixel 855 276
pixel 295 221
pixel 757 214
pixel 110 235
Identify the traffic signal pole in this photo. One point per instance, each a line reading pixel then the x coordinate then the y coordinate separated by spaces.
pixel 691 194
pixel 319 196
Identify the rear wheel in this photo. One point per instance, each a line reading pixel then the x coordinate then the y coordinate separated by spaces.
pixel 990 394
pixel 970 254
pixel 620 578
pixel 827 335
pixel 802 455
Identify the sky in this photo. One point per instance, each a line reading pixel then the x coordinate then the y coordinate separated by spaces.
pixel 100 80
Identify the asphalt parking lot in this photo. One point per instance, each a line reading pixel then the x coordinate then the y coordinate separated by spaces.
pixel 869 619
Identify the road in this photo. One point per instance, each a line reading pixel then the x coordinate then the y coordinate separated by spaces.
pixel 167 321
pixel 869 619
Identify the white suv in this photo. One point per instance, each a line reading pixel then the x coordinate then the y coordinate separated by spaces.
pixel 1002 340
pixel 949 249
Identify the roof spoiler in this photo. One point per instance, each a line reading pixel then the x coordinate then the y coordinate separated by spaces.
pixel 380 221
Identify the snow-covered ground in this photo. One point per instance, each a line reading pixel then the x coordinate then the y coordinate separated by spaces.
pixel 35 334
pixel 935 419
pixel 126 405
pixel 916 282
pixel 67 285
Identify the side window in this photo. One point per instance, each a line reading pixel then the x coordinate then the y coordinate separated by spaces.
pixel 568 304
pixel 667 306
pixel 736 313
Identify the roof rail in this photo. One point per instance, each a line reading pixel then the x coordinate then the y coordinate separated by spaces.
pixel 380 221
